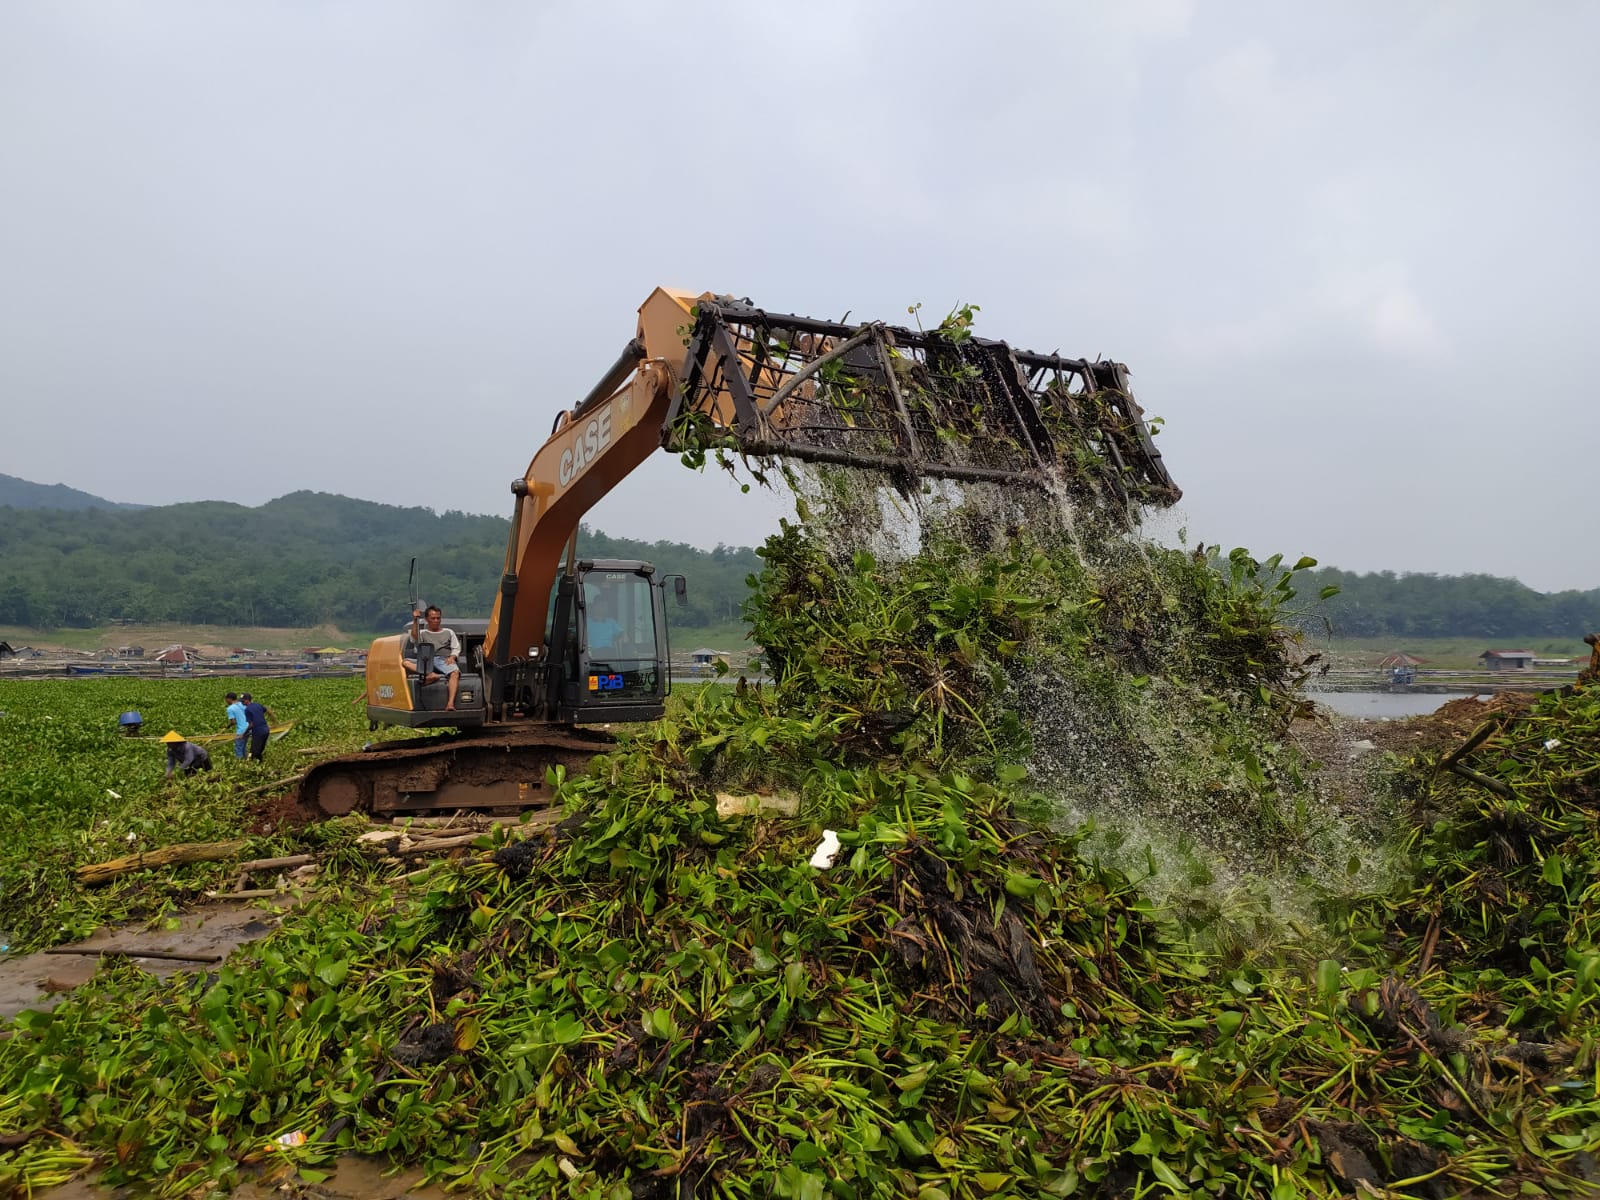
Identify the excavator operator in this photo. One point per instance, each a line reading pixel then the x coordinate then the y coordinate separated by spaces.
pixel 446 647
pixel 605 631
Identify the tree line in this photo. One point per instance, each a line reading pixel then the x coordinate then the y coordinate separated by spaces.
pixel 305 559
pixel 310 558
pixel 1386 604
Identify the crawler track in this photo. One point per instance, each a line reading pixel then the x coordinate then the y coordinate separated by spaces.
pixel 497 768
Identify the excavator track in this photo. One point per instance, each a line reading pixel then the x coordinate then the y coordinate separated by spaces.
pixel 496 769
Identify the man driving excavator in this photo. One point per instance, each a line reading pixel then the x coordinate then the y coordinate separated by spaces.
pixel 446 648
pixel 605 631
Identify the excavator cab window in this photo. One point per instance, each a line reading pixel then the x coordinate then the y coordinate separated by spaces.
pixel 619 615
pixel 621 660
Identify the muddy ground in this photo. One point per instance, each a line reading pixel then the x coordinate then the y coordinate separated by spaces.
pixel 197 941
pixel 352 1177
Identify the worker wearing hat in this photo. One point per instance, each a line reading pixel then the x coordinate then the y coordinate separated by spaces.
pixel 185 755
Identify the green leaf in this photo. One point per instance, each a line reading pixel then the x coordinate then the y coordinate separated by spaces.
pixel 1166 1175
pixel 1329 977
pixel 1022 886
pixel 910 1145
pixel 568 1030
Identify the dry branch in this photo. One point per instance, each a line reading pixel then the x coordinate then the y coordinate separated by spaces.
pixel 276 783
pixel 184 852
pixel 265 864
pixel 135 952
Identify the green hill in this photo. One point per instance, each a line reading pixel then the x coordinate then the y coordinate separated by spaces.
pixel 73 560
pixel 23 493
pixel 1384 604
pixel 304 559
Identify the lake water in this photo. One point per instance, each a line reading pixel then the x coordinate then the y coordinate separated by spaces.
pixel 1384 705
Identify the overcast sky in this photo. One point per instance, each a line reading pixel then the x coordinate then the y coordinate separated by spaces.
pixel 372 246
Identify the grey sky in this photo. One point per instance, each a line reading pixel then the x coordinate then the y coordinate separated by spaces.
pixel 1348 251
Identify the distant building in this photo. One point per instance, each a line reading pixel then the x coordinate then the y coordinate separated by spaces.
pixel 1506 660
pixel 705 657
pixel 1400 659
pixel 1401 668
pixel 178 656
pixel 130 651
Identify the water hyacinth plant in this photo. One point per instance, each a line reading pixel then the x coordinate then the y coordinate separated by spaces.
pixel 653 1000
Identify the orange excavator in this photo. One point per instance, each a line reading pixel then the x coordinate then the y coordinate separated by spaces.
pixel 574 643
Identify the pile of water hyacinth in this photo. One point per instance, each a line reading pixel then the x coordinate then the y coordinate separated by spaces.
pixel 655 1000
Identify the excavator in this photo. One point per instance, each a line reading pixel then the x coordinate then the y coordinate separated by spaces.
pixel 572 645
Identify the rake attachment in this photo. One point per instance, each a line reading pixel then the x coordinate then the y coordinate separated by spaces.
pixel 914 404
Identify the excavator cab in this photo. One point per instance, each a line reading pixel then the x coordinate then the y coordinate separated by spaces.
pixel 608 650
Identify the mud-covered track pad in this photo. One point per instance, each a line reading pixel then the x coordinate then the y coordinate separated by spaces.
pixel 497 768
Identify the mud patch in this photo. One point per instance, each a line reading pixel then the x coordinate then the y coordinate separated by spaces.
pixel 197 941
pixel 274 814
pixel 1448 726
pixel 353 1177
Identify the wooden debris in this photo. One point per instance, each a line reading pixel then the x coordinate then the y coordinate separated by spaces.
pixel 167 856
pixel 729 805
pixel 134 952
pixel 246 894
pixel 267 864
pixel 462 820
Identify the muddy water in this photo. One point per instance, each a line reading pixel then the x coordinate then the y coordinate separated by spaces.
pixel 353 1178
pixel 198 941
pixel 1385 706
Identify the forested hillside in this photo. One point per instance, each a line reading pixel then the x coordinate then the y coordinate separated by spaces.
pixel 24 493
pixel 305 559
pixel 310 558
pixel 1385 604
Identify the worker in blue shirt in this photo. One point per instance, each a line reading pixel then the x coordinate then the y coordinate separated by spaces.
pixel 241 724
pixel 256 714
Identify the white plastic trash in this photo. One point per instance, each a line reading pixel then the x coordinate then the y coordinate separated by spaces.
pixel 827 849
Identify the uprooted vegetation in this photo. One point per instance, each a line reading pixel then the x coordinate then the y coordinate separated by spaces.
pixel 655 1001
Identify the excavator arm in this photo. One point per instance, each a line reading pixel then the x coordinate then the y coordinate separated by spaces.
pixel 592 449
